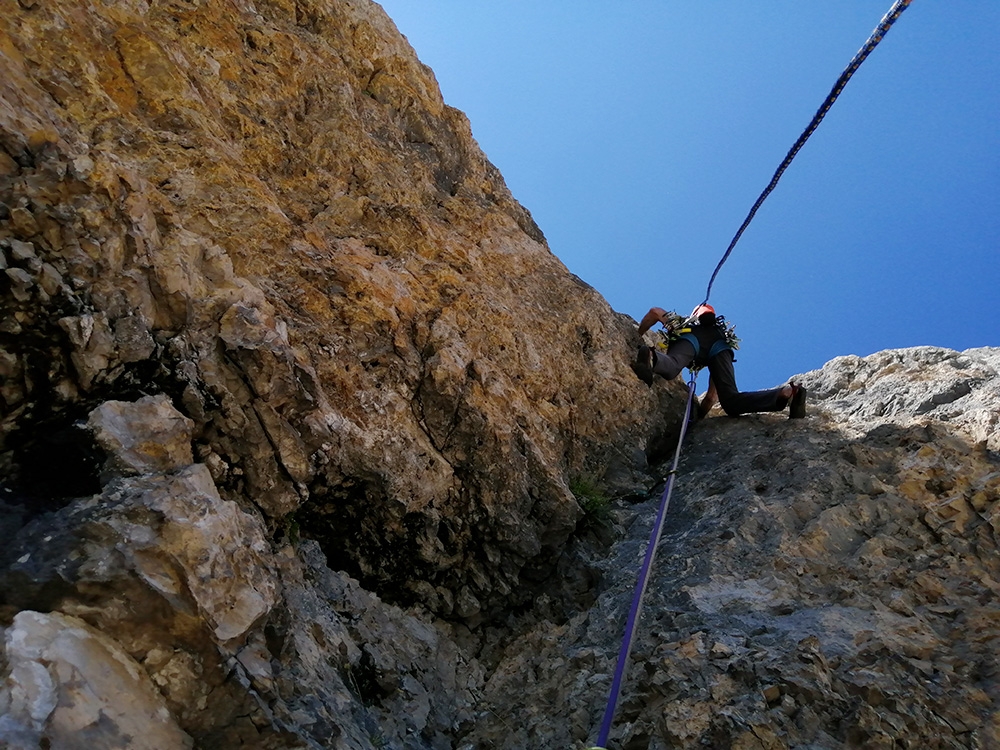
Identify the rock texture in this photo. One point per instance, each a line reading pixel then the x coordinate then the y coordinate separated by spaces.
pixel 264 305
pixel 265 212
pixel 824 583
pixel 294 400
pixel 960 389
pixel 68 680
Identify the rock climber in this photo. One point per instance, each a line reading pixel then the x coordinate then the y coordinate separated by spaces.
pixel 703 341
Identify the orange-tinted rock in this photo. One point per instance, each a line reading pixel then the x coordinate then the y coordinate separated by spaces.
pixel 269 212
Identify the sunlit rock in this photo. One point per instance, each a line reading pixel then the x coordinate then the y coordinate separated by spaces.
pixel 69 686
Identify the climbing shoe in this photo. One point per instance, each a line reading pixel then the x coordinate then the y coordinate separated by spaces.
pixel 643 365
pixel 797 407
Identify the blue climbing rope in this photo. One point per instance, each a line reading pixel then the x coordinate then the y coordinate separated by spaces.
pixel 876 36
pixel 644 571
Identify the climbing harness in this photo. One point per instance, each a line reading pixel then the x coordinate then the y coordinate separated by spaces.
pixel 676 327
pixel 880 31
pixel 644 571
pixel 701 358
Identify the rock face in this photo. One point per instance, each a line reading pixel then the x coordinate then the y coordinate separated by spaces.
pixel 265 304
pixel 824 583
pixel 68 680
pixel 293 396
pixel 266 213
pixel 961 390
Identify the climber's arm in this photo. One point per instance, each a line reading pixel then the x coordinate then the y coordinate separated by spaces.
pixel 655 315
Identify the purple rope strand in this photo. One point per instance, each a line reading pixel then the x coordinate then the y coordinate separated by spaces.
pixel 640 589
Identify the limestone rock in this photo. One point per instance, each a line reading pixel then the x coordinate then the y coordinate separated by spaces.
pixel 268 213
pixel 294 394
pixel 181 579
pixel 349 661
pixel 69 686
pixel 960 388
pixel 148 436
pixel 253 236
pixel 93 346
pixel 827 583
pixel 200 553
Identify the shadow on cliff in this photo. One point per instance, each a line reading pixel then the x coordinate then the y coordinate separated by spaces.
pixel 833 575
pixel 813 588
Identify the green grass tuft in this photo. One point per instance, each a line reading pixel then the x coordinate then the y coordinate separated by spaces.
pixel 593 500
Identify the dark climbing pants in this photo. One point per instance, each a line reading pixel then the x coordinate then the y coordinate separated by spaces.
pixel 734 402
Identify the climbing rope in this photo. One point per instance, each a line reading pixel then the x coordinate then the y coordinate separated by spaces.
pixel 647 566
pixel 880 31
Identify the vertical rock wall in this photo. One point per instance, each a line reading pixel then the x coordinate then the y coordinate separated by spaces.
pixel 265 211
pixel 269 319
pixel 292 393
pixel 827 583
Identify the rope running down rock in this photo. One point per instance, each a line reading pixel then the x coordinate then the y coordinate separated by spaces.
pixel 634 612
pixel 644 571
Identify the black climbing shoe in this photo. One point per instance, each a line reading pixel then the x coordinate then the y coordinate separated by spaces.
pixel 643 365
pixel 797 409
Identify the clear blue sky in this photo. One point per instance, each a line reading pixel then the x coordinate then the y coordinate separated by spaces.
pixel 639 134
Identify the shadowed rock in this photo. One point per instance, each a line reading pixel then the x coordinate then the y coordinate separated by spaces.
pixel 826 583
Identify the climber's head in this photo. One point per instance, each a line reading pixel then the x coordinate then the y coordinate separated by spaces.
pixel 703 313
